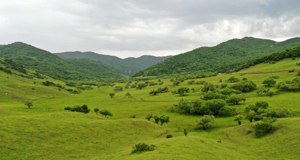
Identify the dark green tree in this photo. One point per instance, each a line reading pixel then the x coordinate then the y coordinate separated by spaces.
pixel 106 113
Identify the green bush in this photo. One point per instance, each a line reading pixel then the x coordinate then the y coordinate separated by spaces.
pixel 169 136
pixel 269 82
pixel 140 147
pixel 244 86
pixel 206 122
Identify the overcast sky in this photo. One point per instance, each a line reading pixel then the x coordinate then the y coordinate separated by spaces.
pixel 131 28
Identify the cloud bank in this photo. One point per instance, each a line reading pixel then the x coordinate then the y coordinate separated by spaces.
pixel 131 28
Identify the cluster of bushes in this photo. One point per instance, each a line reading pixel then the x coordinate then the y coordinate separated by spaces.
pixel 244 86
pixel 260 110
pixel 293 85
pixel 206 122
pixel 265 92
pixel 118 88
pixel 84 108
pixel 182 91
pixel 202 107
pixel 232 80
pixel 162 119
pixel 159 90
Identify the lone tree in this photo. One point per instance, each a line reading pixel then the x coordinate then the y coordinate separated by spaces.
pixel 250 116
pixel 164 119
pixel 206 122
pixel 106 113
pixel 149 116
pixel 185 132
pixel 96 110
pixel 239 118
pixel 28 104
pixel 111 95
pixel 156 118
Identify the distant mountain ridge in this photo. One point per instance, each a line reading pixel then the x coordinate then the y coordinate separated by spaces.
pixel 53 66
pixel 127 64
pixel 224 57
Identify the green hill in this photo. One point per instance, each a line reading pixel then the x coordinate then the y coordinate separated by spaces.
pixel 53 66
pixel 221 58
pixel 47 131
pixel 128 64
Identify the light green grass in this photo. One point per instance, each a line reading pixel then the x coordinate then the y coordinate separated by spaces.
pixel 47 131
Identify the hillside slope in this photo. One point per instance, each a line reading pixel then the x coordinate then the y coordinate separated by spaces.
pixel 54 66
pixel 128 64
pixel 221 58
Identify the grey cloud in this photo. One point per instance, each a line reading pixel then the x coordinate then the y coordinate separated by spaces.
pixel 135 27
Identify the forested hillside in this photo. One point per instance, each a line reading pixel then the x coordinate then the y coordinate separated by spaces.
pixel 53 66
pixel 224 57
pixel 129 64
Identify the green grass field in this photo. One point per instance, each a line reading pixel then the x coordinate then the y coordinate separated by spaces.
pixel 47 131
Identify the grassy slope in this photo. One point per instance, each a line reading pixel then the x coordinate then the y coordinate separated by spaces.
pixel 48 132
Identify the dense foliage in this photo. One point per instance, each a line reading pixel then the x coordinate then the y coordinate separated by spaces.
pixel 221 58
pixel 19 54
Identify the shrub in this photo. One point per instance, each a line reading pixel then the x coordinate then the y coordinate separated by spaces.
pixel 269 82
pixel 250 116
pixel 181 91
pixel 185 132
pixel 213 95
pixel 239 118
pixel 111 95
pixel 164 119
pixel 28 104
pixel 235 99
pixel 208 87
pixel 224 85
pixel 106 113
pixel 244 86
pixel 149 116
pixel 141 85
pixel 84 108
pixel 67 108
pixel 132 116
pixel 206 122
pixel 258 107
pixel 169 136
pixel 140 147
pixel 96 110
pixel 156 119
pixel 264 127
pixel 128 95
pixel 228 91
pixel 232 80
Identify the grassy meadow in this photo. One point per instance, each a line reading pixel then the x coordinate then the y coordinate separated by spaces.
pixel 47 131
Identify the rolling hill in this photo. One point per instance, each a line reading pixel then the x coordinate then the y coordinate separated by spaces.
pixel 222 58
pixel 128 64
pixel 47 131
pixel 53 66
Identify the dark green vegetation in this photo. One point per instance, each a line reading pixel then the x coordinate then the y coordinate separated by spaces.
pixel 128 64
pixel 222 58
pixel 46 63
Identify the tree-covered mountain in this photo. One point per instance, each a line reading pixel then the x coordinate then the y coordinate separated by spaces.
pixel 224 57
pixel 53 66
pixel 129 64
